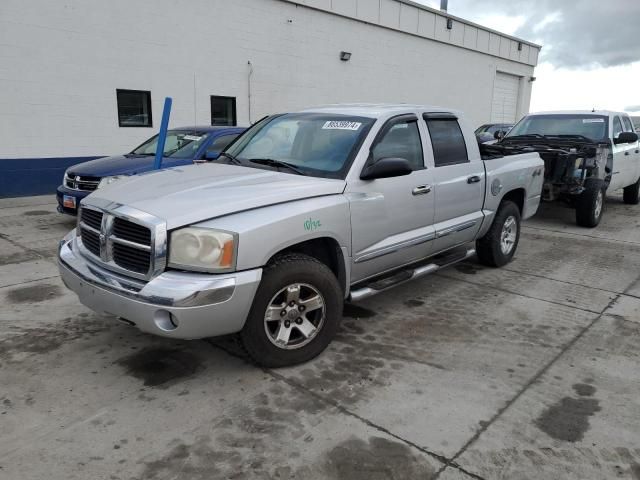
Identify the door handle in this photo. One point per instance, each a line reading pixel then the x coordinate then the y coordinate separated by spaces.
pixel 626 153
pixel 473 179
pixel 421 190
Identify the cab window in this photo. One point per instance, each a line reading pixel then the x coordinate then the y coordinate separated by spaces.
pixel 449 147
pixel 401 140
pixel 628 126
pixel 617 127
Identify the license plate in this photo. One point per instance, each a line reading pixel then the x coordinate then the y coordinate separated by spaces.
pixel 68 201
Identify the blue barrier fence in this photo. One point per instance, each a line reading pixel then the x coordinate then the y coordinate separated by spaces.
pixel 21 177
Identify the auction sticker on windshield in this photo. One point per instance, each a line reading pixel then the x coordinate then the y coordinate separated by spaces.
pixel 341 125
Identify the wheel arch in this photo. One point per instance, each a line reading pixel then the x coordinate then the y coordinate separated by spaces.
pixel 325 249
pixel 517 196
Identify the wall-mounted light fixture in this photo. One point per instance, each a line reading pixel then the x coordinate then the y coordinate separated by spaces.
pixel 345 56
pixel 532 79
pixel 519 46
pixel 449 23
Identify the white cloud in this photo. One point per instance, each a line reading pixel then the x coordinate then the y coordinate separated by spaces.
pixel 613 88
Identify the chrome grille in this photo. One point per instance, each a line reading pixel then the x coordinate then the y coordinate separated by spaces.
pixel 92 218
pixel 131 231
pixel 91 241
pixel 131 258
pixel 123 239
pixel 82 183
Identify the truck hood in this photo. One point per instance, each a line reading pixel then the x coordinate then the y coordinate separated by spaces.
pixel 128 164
pixel 192 194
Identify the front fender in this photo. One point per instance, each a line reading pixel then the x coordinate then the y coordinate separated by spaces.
pixel 263 232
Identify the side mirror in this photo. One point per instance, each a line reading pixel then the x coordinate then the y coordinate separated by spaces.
pixel 386 168
pixel 209 155
pixel 499 134
pixel 626 137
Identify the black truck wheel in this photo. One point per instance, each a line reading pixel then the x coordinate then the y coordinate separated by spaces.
pixel 295 313
pixel 631 195
pixel 499 244
pixel 590 203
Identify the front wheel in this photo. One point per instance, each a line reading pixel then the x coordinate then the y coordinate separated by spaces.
pixel 295 313
pixel 499 244
pixel 590 204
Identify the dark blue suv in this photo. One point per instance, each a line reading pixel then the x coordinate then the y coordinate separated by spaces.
pixel 182 147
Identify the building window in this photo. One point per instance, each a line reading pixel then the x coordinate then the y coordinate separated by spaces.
pixel 134 108
pixel 223 110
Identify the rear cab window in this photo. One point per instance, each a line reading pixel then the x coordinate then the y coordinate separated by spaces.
pixel 447 140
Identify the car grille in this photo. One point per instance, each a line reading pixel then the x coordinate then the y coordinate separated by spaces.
pixel 117 243
pixel 80 182
pixel 131 231
pixel 92 218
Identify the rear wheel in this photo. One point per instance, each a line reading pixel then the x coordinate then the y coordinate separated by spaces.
pixel 295 313
pixel 631 194
pixel 499 244
pixel 590 203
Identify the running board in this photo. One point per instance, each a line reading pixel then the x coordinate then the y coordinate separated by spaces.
pixel 398 278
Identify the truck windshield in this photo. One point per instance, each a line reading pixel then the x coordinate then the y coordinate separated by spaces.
pixel 316 144
pixel 593 127
pixel 179 144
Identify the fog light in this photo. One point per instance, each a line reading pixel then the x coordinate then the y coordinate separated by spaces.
pixel 165 321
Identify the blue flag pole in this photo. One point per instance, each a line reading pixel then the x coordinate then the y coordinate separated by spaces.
pixel 162 136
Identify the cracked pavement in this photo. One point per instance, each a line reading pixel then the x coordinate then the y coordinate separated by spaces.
pixel 530 371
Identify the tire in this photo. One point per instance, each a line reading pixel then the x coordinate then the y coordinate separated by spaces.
pixel 590 204
pixel 264 340
pixel 631 195
pixel 500 243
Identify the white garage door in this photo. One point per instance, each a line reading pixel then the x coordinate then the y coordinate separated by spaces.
pixel 506 92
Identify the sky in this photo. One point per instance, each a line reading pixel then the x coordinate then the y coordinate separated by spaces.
pixel 590 48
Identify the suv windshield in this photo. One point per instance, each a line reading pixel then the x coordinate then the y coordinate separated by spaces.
pixel 179 144
pixel 316 144
pixel 594 127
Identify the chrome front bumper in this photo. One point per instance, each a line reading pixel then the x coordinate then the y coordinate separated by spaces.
pixel 173 304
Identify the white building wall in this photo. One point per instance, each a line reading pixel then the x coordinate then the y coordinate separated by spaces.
pixel 61 62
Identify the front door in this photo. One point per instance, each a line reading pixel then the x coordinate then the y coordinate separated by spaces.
pixel 624 158
pixel 392 218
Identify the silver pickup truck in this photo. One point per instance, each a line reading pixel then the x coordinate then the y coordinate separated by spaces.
pixel 303 211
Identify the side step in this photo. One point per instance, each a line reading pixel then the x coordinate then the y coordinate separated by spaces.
pixel 381 284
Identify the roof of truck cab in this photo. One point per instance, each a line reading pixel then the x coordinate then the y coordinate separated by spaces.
pixel 579 112
pixel 375 110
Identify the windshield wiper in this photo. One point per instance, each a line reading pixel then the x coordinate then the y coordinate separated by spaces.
pixel 271 162
pixel 233 159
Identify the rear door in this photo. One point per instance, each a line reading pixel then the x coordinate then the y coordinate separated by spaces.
pixel 624 164
pixel 392 218
pixel 458 181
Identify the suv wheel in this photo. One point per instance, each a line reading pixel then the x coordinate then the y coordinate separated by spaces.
pixel 590 203
pixel 499 244
pixel 631 194
pixel 295 313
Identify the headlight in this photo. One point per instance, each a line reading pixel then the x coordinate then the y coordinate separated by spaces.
pixel 202 249
pixel 108 180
